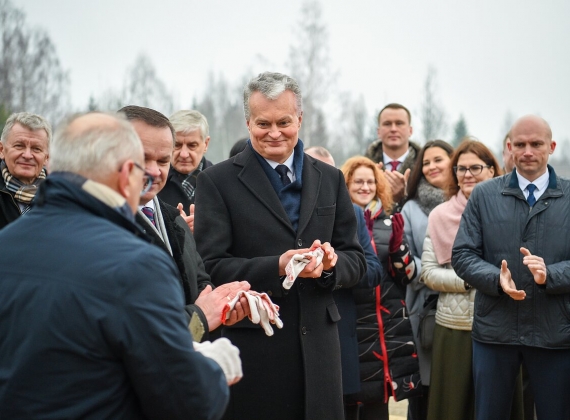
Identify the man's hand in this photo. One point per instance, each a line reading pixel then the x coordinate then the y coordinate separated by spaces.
pixel 225 354
pixel 312 269
pixel 330 258
pixel 535 264
pixel 508 284
pixel 212 303
pixel 188 219
pixel 398 182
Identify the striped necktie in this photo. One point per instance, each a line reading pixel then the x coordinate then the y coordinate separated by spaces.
pixel 149 212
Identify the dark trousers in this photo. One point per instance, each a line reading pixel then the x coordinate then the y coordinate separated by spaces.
pixel 496 367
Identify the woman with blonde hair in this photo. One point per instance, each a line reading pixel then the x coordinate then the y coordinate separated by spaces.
pixel 388 362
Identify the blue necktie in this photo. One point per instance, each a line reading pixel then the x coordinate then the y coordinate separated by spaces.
pixel 531 198
pixel 282 171
pixel 149 212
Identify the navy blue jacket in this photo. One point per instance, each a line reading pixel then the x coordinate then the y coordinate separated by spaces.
pixel 92 320
pixel 347 309
pixel 496 223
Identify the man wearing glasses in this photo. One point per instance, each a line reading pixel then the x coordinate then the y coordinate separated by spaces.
pixel 91 318
pixel 512 246
pixel 24 150
pixel 171 233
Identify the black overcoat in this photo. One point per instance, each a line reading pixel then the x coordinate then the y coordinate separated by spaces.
pixel 241 230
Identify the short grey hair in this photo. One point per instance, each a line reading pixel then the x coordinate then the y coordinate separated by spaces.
pixel 271 85
pixel 187 121
pixel 30 121
pixel 97 151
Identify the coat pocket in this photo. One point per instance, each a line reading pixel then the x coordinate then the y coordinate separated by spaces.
pixel 332 310
pixel 326 211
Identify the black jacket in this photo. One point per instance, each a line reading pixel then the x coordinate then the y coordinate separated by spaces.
pixel 496 223
pixel 192 275
pixel 9 209
pixel 172 193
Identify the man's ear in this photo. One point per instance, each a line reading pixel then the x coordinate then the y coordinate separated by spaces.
pixel 124 179
pixel 207 141
pixel 2 151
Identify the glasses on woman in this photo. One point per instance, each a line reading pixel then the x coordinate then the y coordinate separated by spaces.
pixel 148 179
pixel 474 169
pixel 360 182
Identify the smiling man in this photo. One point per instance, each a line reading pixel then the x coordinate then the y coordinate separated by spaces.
pixel 188 158
pixel 24 150
pixel 512 246
pixel 254 212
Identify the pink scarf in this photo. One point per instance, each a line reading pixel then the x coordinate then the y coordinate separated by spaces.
pixel 443 225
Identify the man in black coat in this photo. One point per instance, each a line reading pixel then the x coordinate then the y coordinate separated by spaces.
pixel 250 221
pixel 170 232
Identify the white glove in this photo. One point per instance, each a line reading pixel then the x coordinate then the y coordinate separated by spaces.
pixel 296 265
pixel 225 354
pixel 262 310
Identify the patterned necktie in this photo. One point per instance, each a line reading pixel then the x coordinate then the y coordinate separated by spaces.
pixel 394 164
pixel 531 198
pixel 282 171
pixel 149 212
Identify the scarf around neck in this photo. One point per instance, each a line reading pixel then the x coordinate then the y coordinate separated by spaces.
pixel 443 225
pixel 428 196
pixel 24 193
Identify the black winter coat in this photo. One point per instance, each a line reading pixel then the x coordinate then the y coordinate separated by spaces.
pixel 383 328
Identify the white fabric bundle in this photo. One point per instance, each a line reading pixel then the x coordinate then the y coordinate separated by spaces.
pixel 262 310
pixel 297 263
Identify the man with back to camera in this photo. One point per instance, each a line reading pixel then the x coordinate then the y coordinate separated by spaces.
pixel 94 326
pixel 512 247
pixel 394 149
pixel 24 150
pixel 250 221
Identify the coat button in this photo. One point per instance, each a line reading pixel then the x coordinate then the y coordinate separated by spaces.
pixel 299 242
pixel 304 330
pixel 269 293
pixel 302 286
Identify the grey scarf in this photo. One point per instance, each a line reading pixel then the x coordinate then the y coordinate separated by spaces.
pixel 428 196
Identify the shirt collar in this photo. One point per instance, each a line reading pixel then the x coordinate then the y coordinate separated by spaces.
pixel 288 163
pixel 541 182
pixel 387 159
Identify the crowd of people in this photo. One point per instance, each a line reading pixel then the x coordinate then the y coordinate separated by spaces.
pixel 140 280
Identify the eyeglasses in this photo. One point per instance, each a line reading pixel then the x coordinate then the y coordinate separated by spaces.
pixel 474 169
pixel 148 179
pixel 361 182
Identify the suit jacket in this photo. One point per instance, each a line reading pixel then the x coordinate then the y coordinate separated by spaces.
pixel 192 275
pixel 241 231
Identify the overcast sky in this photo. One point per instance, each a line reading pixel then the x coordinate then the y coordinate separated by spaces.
pixel 492 56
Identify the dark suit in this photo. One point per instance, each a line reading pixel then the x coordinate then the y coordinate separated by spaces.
pixel 241 230
pixel 193 278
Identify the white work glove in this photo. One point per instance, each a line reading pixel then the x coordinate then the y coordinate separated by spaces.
pixel 262 310
pixel 296 265
pixel 225 354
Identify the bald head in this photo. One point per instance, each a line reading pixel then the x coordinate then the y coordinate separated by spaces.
pixel 531 145
pixel 531 123
pixel 320 153
pixel 94 145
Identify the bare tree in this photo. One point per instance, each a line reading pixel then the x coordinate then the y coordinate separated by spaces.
pixel 222 106
pixel 31 76
pixel 143 87
pixel 432 112
pixel 459 131
pixel 309 64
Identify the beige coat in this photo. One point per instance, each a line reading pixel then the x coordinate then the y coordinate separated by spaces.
pixel 455 303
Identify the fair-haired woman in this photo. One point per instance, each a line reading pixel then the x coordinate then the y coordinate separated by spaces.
pixel 425 192
pixel 388 362
pixel 451 394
